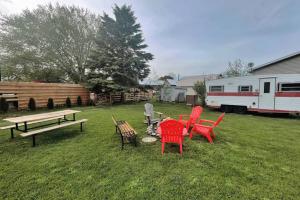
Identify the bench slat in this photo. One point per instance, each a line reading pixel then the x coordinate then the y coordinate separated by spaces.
pixel 126 129
pixel 52 128
pixel 130 127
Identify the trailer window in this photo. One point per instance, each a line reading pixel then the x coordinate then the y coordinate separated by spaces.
pixel 291 87
pixel 267 87
pixel 245 88
pixel 216 88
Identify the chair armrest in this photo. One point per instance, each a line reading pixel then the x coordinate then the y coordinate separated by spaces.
pixel 206 121
pixel 182 116
pixel 200 125
pixel 159 113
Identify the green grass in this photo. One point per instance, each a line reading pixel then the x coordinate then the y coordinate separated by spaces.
pixel 253 157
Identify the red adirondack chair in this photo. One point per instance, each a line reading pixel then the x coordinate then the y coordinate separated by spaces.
pixel 196 112
pixel 205 130
pixel 171 132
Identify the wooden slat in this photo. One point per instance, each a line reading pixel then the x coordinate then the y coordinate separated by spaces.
pixel 32 122
pixel 125 129
pixel 52 128
pixel 41 92
pixel 29 118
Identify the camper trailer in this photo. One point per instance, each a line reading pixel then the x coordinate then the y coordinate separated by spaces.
pixel 278 93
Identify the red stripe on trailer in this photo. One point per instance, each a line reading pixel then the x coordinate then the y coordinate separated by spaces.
pixel 247 94
pixel 287 94
pixel 272 111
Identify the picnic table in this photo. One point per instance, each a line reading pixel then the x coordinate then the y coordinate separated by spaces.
pixel 60 116
pixel 40 117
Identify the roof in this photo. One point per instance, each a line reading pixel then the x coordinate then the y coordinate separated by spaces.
pixel 276 61
pixel 189 81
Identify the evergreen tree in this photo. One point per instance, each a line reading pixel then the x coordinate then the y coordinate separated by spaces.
pixel 119 59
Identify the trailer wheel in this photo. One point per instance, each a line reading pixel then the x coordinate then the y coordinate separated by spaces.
pixel 240 109
pixel 226 108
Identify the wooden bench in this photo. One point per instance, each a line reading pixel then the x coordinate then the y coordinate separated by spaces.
pixel 12 127
pixel 126 132
pixel 39 131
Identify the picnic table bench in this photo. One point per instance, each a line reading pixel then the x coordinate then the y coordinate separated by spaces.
pixel 126 131
pixel 24 121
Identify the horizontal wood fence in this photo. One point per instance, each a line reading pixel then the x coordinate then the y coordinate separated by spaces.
pixel 41 92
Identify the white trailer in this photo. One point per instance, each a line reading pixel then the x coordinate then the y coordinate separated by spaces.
pixel 278 93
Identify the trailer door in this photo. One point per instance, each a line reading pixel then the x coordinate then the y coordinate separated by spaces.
pixel 267 88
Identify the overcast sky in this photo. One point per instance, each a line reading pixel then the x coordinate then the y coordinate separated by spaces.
pixel 190 37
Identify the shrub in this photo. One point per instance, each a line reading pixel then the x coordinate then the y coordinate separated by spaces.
pixel 50 103
pixel 79 101
pixel 31 104
pixel 200 88
pixel 3 105
pixel 68 102
pixel 91 103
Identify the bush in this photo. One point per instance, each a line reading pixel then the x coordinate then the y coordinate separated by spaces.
pixel 31 104
pixel 200 88
pixel 50 103
pixel 79 101
pixel 91 103
pixel 68 102
pixel 3 105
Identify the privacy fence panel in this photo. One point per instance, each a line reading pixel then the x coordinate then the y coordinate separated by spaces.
pixel 41 92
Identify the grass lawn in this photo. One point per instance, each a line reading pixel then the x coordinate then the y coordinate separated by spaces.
pixel 253 157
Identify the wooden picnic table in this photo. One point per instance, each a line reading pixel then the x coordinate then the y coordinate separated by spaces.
pixel 61 116
pixel 40 118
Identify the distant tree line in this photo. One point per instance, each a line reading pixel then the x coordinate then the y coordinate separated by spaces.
pixel 238 68
pixel 58 43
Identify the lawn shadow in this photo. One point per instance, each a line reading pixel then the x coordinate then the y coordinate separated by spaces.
pixel 202 140
pixel 173 148
pixel 53 137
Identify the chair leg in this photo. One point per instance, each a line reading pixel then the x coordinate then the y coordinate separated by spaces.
pixel 162 147
pixel 209 138
pixel 122 142
pixel 191 134
pixel 213 134
pixel 135 141
pixel 180 148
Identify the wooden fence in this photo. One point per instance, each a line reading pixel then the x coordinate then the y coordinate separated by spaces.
pixel 41 92
pixel 133 95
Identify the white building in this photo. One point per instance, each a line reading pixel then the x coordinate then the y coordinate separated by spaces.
pixel 188 82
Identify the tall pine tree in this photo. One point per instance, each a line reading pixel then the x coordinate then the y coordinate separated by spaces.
pixel 119 59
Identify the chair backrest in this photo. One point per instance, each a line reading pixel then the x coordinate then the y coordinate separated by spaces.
pixel 219 119
pixel 171 131
pixel 114 120
pixel 196 113
pixel 149 110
